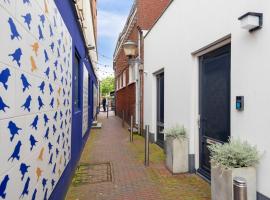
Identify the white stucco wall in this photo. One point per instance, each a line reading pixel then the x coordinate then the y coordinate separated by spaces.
pixel 189 25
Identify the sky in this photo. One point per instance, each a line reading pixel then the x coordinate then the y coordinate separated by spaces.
pixel 112 15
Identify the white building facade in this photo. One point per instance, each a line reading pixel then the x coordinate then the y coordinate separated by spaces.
pixel 198 60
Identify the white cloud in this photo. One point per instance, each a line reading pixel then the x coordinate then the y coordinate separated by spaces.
pixel 110 24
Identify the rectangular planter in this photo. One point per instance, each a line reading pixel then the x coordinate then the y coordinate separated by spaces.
pixel 177 155
pixel 222 182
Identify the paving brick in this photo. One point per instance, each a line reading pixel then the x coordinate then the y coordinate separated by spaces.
pixel 131 180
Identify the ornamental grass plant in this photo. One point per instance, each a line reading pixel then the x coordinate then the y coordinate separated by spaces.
pixel 234 154
pixel 176 132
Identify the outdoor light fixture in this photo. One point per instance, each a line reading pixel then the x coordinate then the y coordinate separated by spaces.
pixel 130 48
pixel 251 21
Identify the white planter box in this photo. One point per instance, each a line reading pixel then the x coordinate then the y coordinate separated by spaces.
pixel 222 182
pixel 177 155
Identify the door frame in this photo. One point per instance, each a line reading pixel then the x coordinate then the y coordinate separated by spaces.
pixel 159 142
pixel 196 53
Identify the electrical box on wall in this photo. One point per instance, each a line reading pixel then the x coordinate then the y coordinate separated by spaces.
pixel 239 103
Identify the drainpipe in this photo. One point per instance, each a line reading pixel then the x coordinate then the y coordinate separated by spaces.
pixel 140 117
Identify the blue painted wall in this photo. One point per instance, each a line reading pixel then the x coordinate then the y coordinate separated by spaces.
pixel 67 10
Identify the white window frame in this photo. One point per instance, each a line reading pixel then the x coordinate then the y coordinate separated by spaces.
pixel 124 78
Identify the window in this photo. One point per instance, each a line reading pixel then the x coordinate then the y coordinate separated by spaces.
pixel 117 83
pixel 121 81
pixel 124 78
pixel 131 74
pixel 77 82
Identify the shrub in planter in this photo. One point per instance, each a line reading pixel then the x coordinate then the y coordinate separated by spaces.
pixel 236 158
pixel 176 149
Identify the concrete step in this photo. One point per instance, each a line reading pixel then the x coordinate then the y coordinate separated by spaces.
pixel 94 123
pixel 97 126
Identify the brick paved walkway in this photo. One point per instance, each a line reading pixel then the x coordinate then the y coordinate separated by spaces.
pixel 131 180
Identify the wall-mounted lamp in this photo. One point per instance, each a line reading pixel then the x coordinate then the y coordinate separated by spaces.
pixel 130 48
pixel 251 21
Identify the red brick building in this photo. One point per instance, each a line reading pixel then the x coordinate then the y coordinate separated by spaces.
pixel 128 95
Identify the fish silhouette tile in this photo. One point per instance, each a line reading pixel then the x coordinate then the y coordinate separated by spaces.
pixel 3 187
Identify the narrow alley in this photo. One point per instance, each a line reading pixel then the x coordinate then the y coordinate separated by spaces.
pixel 116 170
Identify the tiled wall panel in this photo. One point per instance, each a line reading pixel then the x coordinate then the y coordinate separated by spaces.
pixel 35 98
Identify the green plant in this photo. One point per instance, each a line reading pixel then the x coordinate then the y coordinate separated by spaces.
pixel 107 86
pixel 176 132
pixel 234 154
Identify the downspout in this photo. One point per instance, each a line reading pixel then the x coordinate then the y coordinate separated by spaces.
pixel 140 117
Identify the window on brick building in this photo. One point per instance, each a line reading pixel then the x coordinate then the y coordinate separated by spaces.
pixel 120 81
pixel 124 78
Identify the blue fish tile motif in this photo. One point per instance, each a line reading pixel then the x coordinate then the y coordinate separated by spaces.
pixel 46 119
pixel 52 46
pixel 47 72
pixel 58 139
pixel 35 123
pixel 13 130
pixel 58 53
pixel 57 152
pixel 44 183
pixel 42 87
pixel 3 105
pixel 51 159
pixel 34 195
pixel 27 104
pixel 25 82
pixel 33 142
pixel 40 37
pixel 46 194
pixel 46 56
pixel 52 103
pixel 16 152
pixel 56 63
pixel 13 30
pixel 4 76
pixel 42 19
pixel 40 103
pixel 51 31
pixel 27 20
pixel 51 89
pixel 3 187
pixel 24 169
pixel 54 129
pixel 26 2
pixel 26 188
pixel 16 56
pixel 54 22
pixel 54 76
pixel 53 183
pixel 59 42
pixel 55 116
pixel 47 133
pixel 54 168
pixel 50 146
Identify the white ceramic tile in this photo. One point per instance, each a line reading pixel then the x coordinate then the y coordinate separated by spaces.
pixel 9 6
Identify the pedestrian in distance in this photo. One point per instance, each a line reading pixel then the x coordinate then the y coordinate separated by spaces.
pixel 104 104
